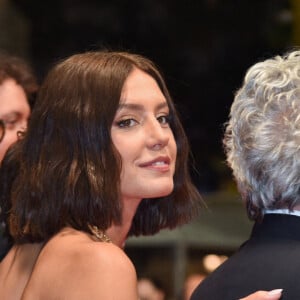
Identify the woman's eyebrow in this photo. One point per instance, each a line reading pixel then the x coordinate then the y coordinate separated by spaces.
pixel 139 107
pixel 130 106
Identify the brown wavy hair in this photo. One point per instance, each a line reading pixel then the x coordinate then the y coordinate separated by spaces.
pixel 69 169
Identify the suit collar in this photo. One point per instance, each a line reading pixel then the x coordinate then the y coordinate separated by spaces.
pixel 277 226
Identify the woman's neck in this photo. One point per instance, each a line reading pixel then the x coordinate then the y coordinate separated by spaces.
pixel 118 233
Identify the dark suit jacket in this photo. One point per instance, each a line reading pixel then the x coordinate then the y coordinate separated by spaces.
pixel 270 259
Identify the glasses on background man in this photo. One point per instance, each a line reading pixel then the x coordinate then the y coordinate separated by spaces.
pixel 2 130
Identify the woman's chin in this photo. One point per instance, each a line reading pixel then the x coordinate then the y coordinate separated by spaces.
pixel 161 192
pixel 148 191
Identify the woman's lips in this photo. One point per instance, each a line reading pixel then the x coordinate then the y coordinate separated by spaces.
pixel 159 164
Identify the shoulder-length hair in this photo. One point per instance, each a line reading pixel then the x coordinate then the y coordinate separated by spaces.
pixel 69 168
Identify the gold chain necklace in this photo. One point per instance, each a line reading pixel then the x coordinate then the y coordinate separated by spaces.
pixel 99 234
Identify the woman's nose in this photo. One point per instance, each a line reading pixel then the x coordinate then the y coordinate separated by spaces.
pixel 158 136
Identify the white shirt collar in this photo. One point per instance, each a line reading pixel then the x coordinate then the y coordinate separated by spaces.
pixel 282 211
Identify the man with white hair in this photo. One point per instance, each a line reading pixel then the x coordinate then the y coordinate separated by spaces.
pixel 262 143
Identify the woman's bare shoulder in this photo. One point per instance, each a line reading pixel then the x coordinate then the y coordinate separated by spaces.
pixel 71 246
pixel 16 269
pixel 75 266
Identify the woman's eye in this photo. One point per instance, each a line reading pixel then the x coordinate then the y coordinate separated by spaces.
pixel 164 119
pixel 126 123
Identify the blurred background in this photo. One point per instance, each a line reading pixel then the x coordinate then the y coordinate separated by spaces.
pixel 204 48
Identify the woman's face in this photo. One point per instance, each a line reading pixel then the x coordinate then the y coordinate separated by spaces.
pixel 144 139
pixel 14 112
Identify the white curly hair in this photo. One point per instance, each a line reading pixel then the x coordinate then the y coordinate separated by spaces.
pixel 262 136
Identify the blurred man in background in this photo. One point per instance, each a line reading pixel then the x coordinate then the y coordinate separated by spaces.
pixel 18 87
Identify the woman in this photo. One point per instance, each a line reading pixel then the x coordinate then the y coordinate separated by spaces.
pixel 104 157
